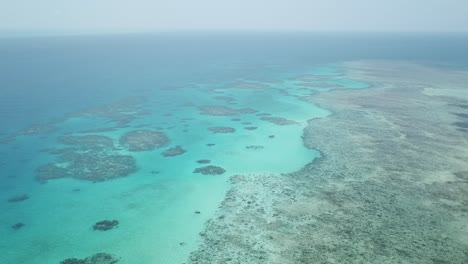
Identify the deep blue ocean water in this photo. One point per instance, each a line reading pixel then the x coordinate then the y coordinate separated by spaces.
pixel 48 80
pixel 67 73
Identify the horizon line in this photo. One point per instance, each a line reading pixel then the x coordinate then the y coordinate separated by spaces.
pixel 27 34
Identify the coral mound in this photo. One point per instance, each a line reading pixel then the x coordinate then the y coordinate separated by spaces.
pixel 175 151
pixel 105 225
pixel 210 170
pixel 216 110
pixel 142 140
pixel 17 226
pixel 281 121
pixel 98 258
pixel 18 198
pixel 90 157
pixel 221 129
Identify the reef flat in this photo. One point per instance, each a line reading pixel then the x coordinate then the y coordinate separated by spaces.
pixel 389 187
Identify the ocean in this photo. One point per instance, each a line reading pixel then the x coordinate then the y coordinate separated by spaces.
pixel 126 145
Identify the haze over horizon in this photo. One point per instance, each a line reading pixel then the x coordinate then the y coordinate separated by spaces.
pixel 125 16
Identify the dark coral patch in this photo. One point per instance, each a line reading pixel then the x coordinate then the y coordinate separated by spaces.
pixel 210 144
pixel 142 140
pixel 50 172
pixel 175 151
pixel 203 161
pixel 281 121
pixel 254 147
pixel 225 98
pixel 251 128
pixel 88 142
pixel 98 258
pixel 18 198
pixel 102 258
pixel 216 110
pixel 105 225
pixel 221 129
pixel 210 170
pixel 18 226
pixel 89 166
pixel 73 261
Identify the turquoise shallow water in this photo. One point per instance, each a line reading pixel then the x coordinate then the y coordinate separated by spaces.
pixel 156 205
pixel 155 210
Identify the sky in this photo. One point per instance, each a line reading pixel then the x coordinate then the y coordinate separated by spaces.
pixel 114 16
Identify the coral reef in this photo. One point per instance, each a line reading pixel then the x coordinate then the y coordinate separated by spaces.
pixel 18 226
pixel 203 161
pixel 247 85
pixel 210 170
pixel 89 157
pixel 142 140
pixel 175 151
pixel 121 112
pixel 88 142
pixel 388 188
pixel 251 128
pixel 216 110
pixel 98 258
pixel 105 225
pixel 73 261
pixel 221 129
pixel 281 121
pixel 227 99
pixel 89 166
pixel 18 198
pixel 254 147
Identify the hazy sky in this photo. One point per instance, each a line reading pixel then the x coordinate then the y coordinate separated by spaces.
pixel 88 16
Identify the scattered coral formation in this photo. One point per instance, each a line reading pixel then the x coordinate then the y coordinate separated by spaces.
pixel 203 161
pixel 251 128
pixel 96 168
pixel 17 226
pixel 142 140
pixel 88 142
pixel 175 151
pixel 89 157
pixel 222 129
pixel 210 170
pixel 247 85
pixel 105 225
pixel 98 258
pixel 216 110
pixel 121 112
pixel 227 99
pixel 254 147
pixel 18 198
pixel 281 121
